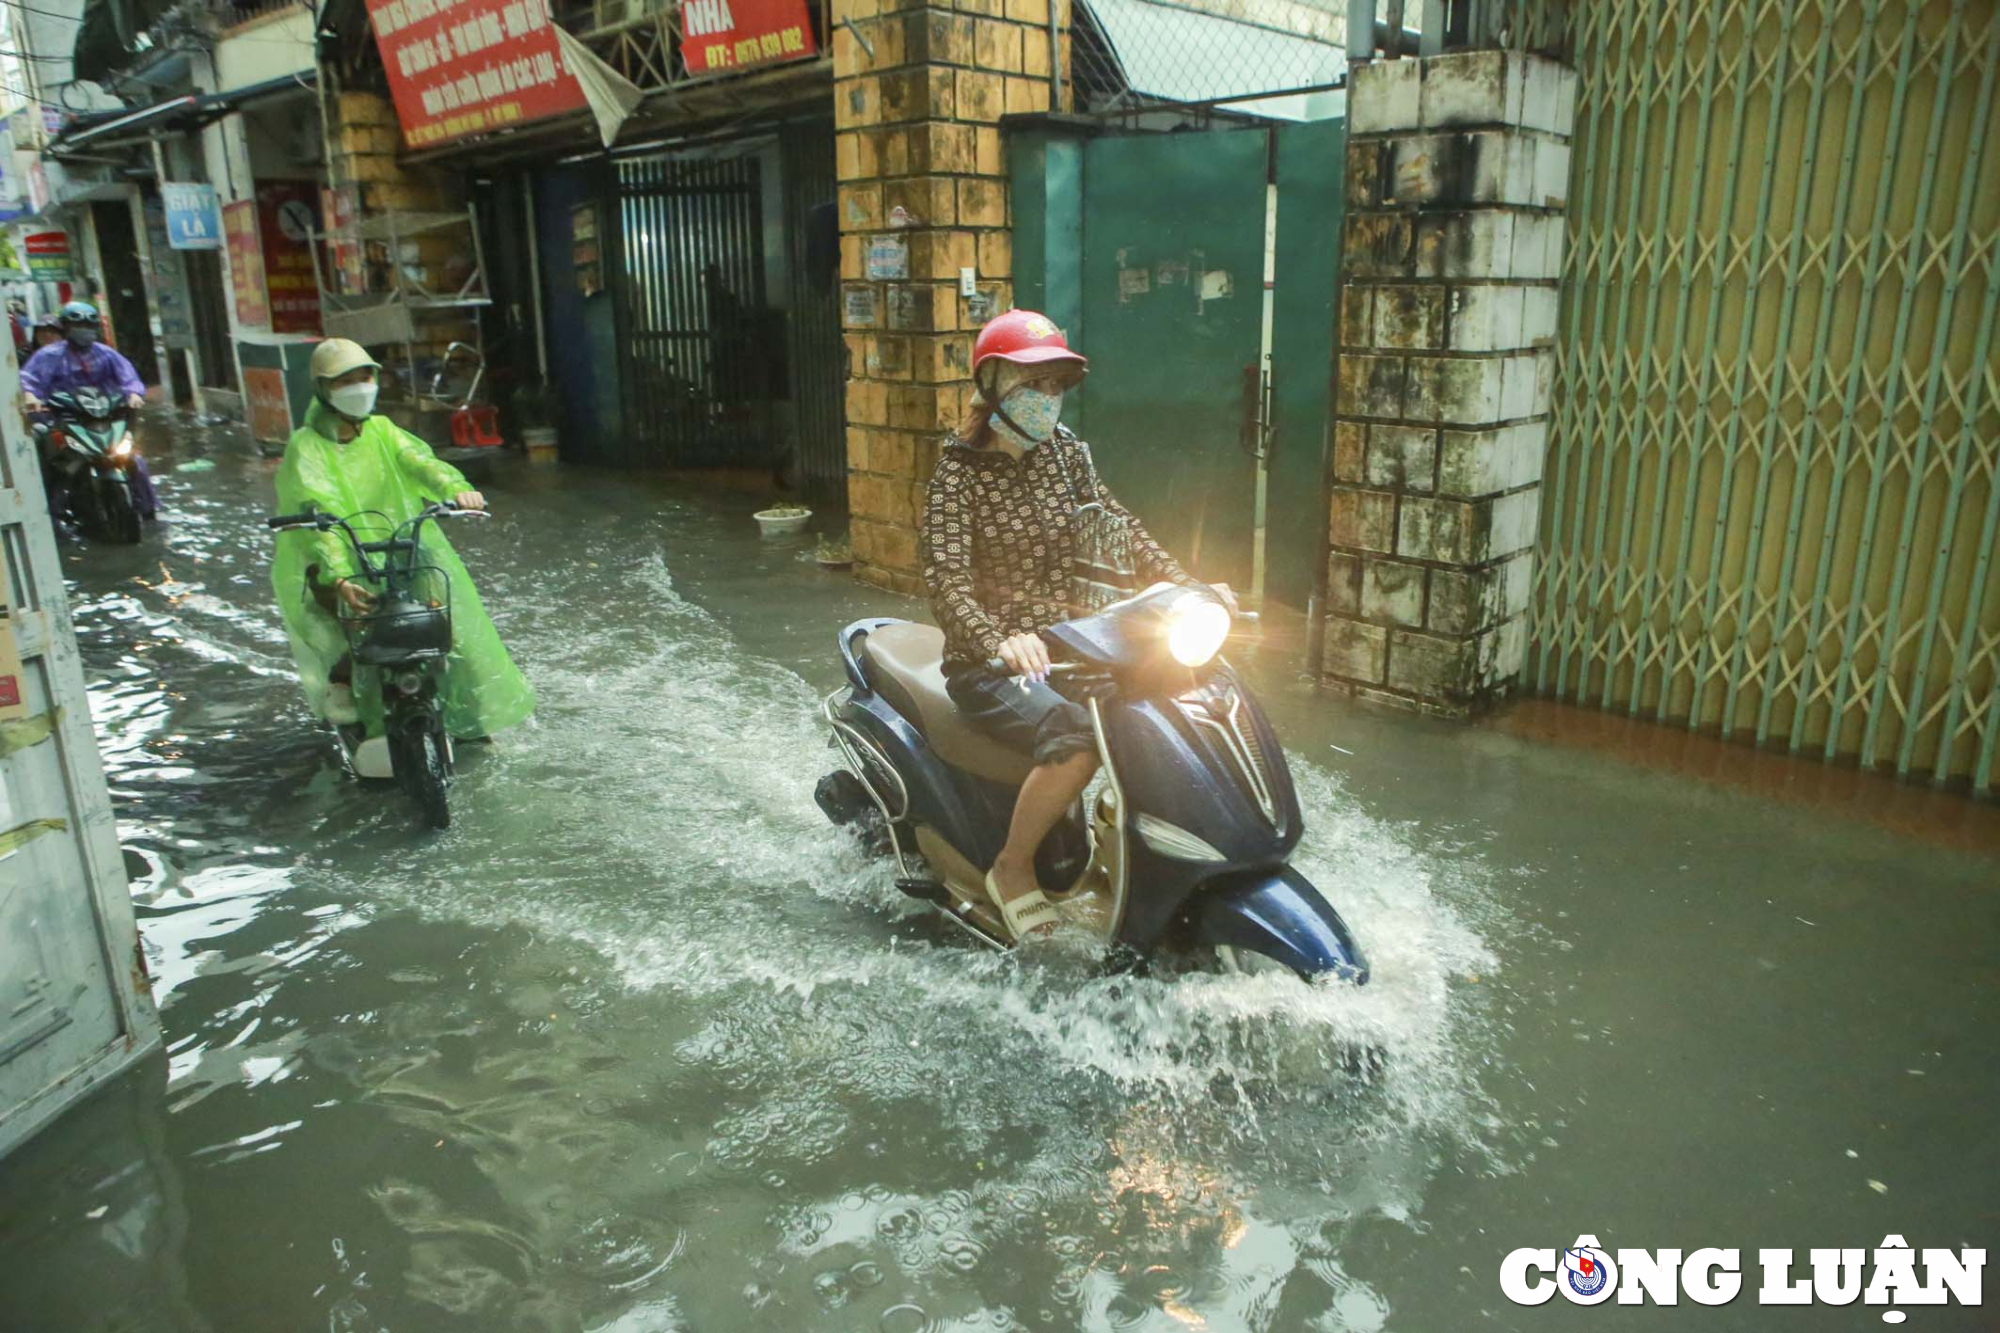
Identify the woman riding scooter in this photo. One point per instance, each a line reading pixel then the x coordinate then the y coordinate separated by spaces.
pixel 998 550
pixel 78 360
pixel 346 461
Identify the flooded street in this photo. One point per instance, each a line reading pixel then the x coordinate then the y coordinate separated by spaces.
pixel 642 1043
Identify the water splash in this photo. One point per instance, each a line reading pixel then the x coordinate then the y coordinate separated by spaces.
pixel 691 1057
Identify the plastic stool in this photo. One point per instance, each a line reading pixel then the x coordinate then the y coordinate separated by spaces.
pixel 475 427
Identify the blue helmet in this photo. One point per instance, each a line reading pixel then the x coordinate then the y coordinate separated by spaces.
pixel 79 312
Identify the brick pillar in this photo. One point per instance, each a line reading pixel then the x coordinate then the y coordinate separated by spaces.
pixel 923 189
pixel 1457 170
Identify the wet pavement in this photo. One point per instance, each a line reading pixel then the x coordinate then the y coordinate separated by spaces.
pixel 641 1044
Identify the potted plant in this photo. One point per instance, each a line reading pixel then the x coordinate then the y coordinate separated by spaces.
pixel 834 552
pixel 782 520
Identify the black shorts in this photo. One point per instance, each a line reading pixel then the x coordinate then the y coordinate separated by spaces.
pixel 1030 716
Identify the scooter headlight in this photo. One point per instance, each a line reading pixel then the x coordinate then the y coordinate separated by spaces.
pixel 1171 840
pixel 122 449
pixel 1196 628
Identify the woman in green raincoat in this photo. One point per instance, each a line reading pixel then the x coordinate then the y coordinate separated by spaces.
pixel 345 460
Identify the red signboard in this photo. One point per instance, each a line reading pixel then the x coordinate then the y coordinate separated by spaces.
pixel 48 256
pixel 736 34
pixel 246 262
pixel 459 67
pixel 288 214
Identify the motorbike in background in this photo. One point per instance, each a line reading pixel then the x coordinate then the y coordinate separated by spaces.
pixel 88 453
pixel 403 637
pixel 1186 849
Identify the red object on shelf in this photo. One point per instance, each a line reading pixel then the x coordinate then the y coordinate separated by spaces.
pixel 476 427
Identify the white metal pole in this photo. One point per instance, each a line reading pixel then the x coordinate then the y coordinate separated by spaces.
pixel 1263 426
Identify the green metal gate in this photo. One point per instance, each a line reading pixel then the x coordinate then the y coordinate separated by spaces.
pixel 1173 261
pixel 1770 506
pixel 1196 271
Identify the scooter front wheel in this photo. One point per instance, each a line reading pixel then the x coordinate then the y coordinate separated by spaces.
pixel 433 776
pixel 423 768
pixel 121 519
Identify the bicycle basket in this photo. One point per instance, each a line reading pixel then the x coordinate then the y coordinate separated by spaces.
pixel 409 622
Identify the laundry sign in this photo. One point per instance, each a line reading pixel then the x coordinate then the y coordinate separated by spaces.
pixel 194 218
pixel 721 35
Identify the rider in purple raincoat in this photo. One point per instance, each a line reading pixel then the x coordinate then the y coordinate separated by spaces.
pixel 79 360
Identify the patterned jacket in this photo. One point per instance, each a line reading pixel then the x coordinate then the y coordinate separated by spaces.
pixel 998 547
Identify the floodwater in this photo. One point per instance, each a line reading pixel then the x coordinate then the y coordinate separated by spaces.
pixel 641 1044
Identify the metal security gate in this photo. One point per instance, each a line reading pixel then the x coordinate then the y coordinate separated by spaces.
pixel 1173 262
pixel 1770 507
pixel 73 1005
pixel 818 353
pixel 701 359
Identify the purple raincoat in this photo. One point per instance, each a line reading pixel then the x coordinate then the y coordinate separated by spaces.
pixel 61 368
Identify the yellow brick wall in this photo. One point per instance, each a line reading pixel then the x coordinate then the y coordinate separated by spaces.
pixel 919 155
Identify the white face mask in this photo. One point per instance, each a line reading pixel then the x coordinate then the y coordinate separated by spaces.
pixel 354 401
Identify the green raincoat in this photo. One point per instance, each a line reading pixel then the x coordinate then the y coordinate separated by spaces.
pixel 389 470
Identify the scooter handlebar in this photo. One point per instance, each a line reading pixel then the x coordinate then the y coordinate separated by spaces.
pixel 1055 668
pixel 309 519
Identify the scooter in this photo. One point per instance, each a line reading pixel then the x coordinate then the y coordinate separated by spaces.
pixel 404 636
pixel 87 450
pixel 1185 851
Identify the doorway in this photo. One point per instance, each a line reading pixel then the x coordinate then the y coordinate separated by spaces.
pixel 125 287
pixel 211 320
pixel 1201 273
pixel 706 359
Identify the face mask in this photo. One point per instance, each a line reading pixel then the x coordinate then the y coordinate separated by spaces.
pixel 82 337
pixel 1034 414
pixel 353 401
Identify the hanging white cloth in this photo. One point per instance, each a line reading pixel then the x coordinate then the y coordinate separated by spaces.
pixel 612 96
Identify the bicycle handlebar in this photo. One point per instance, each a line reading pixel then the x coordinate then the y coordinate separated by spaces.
pixel 312 518
pixel 394 545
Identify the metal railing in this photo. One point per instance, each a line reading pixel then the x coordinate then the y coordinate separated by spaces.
pixel 1771 507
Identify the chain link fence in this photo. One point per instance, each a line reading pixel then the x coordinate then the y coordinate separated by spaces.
pixel 1266 57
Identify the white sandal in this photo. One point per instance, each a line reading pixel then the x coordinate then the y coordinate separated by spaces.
pixel 1030 914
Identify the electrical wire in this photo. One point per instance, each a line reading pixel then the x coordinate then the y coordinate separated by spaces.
pixel 44 13
pixel 35 101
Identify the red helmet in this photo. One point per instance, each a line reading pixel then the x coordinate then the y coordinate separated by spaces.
pixel 1025 338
